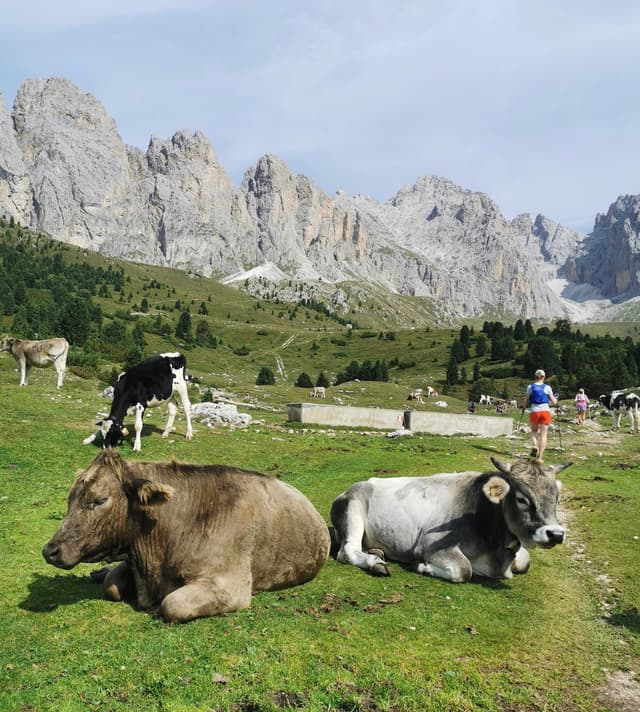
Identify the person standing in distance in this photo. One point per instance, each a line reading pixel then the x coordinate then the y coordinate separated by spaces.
pixel 539 395
pixel 582 403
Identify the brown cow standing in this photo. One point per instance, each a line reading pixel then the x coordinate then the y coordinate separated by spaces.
pixel 194 540
pixel 37 353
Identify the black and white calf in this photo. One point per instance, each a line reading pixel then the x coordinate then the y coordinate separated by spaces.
pixel 620 402
pixel 148 384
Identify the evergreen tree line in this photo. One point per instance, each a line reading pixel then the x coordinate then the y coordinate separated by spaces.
pixel 304 380
pixel 323 309
pixel 570 358
pixel 366 371
pixel 49 296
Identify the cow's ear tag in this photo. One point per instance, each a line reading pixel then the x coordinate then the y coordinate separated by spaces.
pixel 152 494
pixel 495 489
pixel 125 431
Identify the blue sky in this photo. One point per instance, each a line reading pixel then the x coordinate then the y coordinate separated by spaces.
pixel 534 102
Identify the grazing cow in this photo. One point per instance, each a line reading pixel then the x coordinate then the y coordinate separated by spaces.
pixel 193 540
pixel 513 404
pixel 485 400
pixel 151 383
pixel 318 392
pixel 450 525
pixel 618 403
pixel 416 395
pixel 40 354
pixel 431 392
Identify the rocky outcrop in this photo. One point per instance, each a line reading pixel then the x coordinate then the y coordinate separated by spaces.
pixel 200 219
pixel 299 227
pixel 75 159
pixel 610 256
pixel 65 170
pixel 456 246
pixel 15 186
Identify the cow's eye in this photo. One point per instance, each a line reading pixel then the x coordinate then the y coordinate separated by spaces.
pixel 98 502
pixel 522 501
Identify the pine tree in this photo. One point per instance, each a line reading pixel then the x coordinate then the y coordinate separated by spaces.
pixel 183 328
pixel 265 377
pixel 452 372
pixel 304 381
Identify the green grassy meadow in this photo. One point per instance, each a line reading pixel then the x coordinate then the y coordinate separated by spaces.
pixel 345 641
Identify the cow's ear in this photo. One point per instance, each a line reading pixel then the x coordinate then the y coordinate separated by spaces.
pixel 495 489
pixel 151 494
pixel 502 466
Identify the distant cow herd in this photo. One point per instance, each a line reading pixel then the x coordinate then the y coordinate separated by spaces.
pixel 200 540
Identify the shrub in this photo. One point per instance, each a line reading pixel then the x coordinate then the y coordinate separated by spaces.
pixel 304 381
pixel 265 377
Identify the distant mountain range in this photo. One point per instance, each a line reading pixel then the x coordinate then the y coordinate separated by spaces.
pixel 65 170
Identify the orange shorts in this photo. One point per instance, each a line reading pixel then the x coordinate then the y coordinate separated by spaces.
pixel 541 417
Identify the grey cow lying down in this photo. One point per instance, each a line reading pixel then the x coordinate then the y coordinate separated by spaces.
pixel 193 540
pixel 450 526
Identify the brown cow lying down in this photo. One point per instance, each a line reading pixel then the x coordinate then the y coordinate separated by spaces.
pixel 193 540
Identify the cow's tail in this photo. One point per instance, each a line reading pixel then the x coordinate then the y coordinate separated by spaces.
pixel 335 542
pixel 338 514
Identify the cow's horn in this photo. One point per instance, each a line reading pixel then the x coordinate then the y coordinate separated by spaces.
pixel 559 468
pixel 125 431
pixel 502 466
pixel 90 439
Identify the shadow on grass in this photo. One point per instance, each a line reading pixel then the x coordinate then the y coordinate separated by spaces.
pixel 629 619
pixel 46 593
pixel 495 450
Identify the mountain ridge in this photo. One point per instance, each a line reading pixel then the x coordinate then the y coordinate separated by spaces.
pixel 64 169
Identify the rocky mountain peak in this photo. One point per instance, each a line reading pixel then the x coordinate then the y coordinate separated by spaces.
pixel 609 257
pixel 183 146
pixel 15 185
pixel 65 170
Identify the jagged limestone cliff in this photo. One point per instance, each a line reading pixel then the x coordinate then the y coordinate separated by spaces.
pixel 610 256
pixel 65 170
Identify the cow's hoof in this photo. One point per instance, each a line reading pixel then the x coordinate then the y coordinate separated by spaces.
pixel 380 570
pixel 377 552
pixel 99 575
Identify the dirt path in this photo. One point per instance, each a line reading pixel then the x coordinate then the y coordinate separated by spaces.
pixel 621 688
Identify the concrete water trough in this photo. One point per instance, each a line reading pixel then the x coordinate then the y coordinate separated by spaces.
pixel 387 419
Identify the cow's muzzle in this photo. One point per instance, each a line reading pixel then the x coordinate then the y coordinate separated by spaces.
pixel 549 536
pixel 52 555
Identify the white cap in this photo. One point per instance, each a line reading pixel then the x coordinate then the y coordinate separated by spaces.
pixel 540 373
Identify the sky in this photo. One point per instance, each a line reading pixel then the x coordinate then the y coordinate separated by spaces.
pixel 534 102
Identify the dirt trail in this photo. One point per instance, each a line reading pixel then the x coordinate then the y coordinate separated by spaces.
pixel 621 689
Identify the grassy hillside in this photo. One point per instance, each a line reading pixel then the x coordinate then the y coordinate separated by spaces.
pixel 346 641
pixel 563 637
pixel 251 333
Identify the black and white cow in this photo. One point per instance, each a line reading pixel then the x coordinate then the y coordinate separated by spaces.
pixel 148 384
pixel 452 525
pixel 620 402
